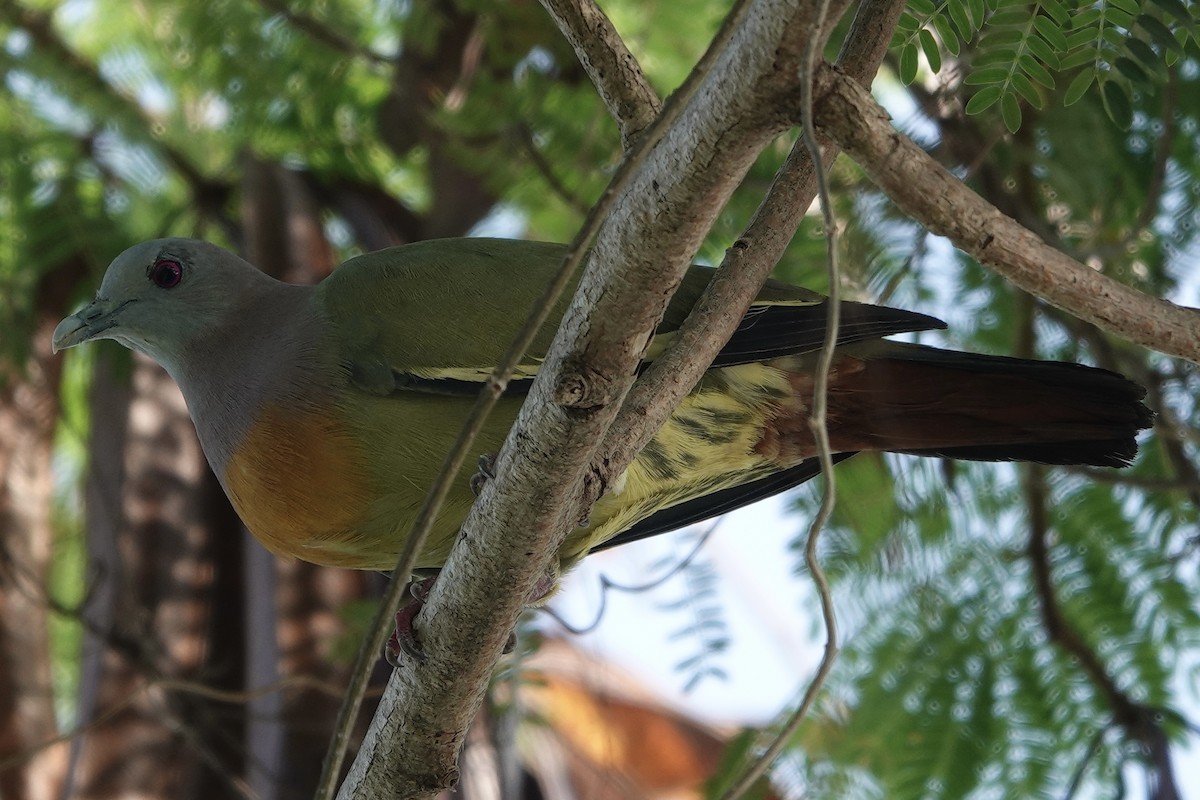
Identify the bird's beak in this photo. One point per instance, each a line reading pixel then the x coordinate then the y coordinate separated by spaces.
pixel 86 324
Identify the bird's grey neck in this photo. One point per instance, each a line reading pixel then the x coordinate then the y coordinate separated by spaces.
pixel 226 375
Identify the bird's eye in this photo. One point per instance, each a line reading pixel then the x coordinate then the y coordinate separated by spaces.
pixel 166 273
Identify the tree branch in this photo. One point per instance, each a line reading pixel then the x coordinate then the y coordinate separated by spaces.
pixel 323 33
pixel 494 388
pixel 1163 146
pixel 569 198
pixel 1140 723
pixel 1097 475
pixel 747 264
pixel 943 204
pixel 615 72
pixel 639 257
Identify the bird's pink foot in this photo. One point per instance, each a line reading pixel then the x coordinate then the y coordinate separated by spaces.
pixel 545 586
pixel 403 640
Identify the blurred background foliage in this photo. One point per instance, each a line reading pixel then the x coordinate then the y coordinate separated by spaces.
pixel 1011 631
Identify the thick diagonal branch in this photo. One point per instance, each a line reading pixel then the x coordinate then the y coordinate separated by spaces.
pixel 512 535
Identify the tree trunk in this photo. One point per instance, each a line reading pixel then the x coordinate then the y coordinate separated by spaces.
pixel 28 413
pixel 163 573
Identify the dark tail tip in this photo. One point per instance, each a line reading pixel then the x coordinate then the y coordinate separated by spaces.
pixel 1010 409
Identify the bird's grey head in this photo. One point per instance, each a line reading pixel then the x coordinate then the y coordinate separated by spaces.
pixel 159 296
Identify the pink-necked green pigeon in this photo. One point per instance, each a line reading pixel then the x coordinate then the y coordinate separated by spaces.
pixel 326 410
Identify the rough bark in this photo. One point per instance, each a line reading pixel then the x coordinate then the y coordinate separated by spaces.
pixel 748 263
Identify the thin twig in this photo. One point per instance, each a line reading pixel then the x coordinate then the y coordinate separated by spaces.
pixel 606 584
pixel 1162 157
pixel 172 685
pixel 1077 778
pixel 525 136
pixel 323 33
pixel 66 736
pixel 118 106
pixel 197 744
pixel 491 393
pixel 1097 475
pixel 816 422
pixel 249 695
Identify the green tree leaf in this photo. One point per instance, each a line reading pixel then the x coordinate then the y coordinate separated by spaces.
pixel 1131 69
pixel 1036 71
pixel 908 63
pixel 1116 104
pixel 1051 32
pixel 1027 90
pixel 946 33
pixel 961 17
pixel 1010 112
pixel 988 75
pixel 1128 6
pixel 1079 86
pixel 932 54
pixel 1175 8
pixel 983 100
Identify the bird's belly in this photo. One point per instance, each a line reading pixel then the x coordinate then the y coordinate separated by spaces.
pixel 298 482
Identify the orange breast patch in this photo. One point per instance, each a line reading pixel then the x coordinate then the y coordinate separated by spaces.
pixel 298 481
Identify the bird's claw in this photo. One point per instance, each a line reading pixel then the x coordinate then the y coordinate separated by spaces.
pixel 403 640
pixel 486 470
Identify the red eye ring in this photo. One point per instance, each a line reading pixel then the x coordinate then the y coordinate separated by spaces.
pixel 166 273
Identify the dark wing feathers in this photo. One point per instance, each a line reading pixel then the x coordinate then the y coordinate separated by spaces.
pixel 769 330
pixel 774 330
